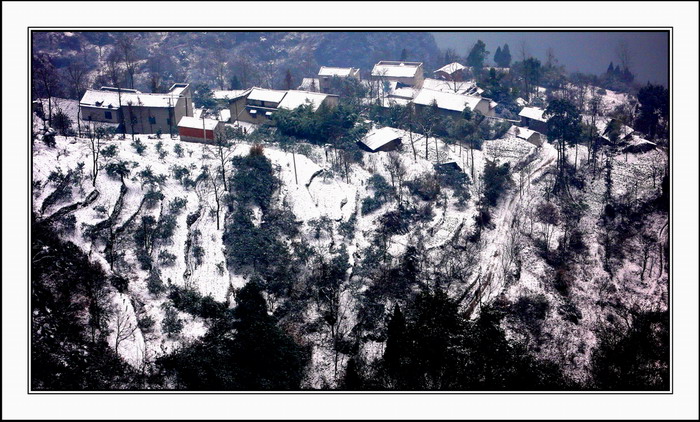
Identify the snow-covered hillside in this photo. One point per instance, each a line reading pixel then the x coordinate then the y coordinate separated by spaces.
pixel 505 264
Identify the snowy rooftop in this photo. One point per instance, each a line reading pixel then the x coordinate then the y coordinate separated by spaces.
pixel 638 140
pixel 446 100
pixel 463 87
pixel 405 92
pixel 534 113
pixel 294 99
pixel 396 69
pixel 268 95
pixel 194 123
pixel 523 132
pixel 450 68
pixel 228 94
pixel 377 138
pixel 337 71
pixel 109 98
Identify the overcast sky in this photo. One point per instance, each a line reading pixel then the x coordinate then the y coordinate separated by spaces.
pixel 588 52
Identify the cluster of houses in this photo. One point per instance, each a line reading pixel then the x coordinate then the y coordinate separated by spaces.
pixel 392 82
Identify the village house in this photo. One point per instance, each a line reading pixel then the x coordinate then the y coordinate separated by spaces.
pixel 451 72
pixel 383 139
pixel 139 112
pixel 457 87
pixel 257 105
pixel 451 104
pixel 533 118
pixel 407 73
pixel 326 74
pixel 192 129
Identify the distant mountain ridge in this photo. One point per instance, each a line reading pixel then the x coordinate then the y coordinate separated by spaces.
pixel 255 58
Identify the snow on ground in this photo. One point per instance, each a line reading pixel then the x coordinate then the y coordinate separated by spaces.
pixel 313 189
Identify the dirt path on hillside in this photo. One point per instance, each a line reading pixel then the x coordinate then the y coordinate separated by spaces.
pixel 489 280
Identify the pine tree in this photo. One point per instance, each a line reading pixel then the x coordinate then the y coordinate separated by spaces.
pixel 477 55
pixel 288 81
pixel 505 56
pixel 395 351
pixel 611 69
pixel 235 83
pixel 498 57
pixel 404 55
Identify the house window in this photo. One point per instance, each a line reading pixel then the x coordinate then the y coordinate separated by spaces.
pixel 151 120
pixel 108 115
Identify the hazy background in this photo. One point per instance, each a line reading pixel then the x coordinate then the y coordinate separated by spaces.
pixel 587 52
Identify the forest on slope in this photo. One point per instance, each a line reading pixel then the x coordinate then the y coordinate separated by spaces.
pixel 288 258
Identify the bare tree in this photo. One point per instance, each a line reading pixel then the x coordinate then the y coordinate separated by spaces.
pixel 115 74
pixel 127 46
pixel 223 150
pixel 397 172
pixel 407 124
pixel 76 73
pixel 46 79
pixel 220 67
pixel 124 325
pixel 210 186
pixel 548 215
pixel 94 144
pixel 624 55
pixel 524 50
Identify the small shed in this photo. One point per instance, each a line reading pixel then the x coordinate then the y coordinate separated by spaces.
pixel 533 117
pixel 383 139
pixel 449 166
pixel 637 145
pixel 529 135
pixel 192 129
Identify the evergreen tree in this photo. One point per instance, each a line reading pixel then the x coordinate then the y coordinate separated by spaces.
pixel 352 380
pixel 498 56
pixel 235 83
pixel 266 358
pixel 288 81
pixel 505 56
pixel 404 55
pixel 653 116
pixel 477 55
pixel 564 128
pixel 611 69
pixel 394 354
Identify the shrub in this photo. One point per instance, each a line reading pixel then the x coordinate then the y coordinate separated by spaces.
pixel 166 258
pixel 531 311
pixel 61 122
pixel 146 324
pixel 177 205
pixel 254 181
pixel 154 284
pixel 177 149
pixel 120 283
pixel 151 199
pixel 425 187
pixel 370 204
pixel 138 146
pixel 496 181
pixel 110 151
pixel 172 324
pixel 198 253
